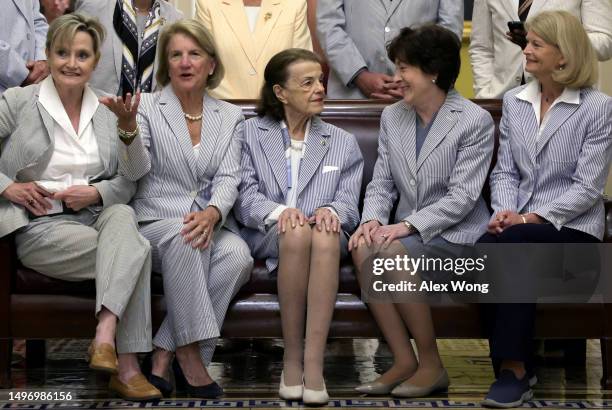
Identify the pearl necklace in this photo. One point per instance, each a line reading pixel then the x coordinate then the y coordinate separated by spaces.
pixel 193 117
pixel 296 145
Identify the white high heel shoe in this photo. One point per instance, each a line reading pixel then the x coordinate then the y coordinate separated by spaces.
pixel 315 397
pixel 289 392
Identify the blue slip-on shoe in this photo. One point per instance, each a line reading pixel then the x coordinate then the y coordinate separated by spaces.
pixel 508 391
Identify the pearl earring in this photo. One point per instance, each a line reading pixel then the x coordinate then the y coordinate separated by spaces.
pixel 433 80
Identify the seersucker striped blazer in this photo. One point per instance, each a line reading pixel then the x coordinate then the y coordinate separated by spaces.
pixel 27 144
pixel 330 175
pixel 171 181
pixel 440 191
pixel 561 177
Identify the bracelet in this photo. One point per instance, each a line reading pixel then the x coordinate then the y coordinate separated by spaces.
pixel 127 135
pixel 523 218
pixel 411 228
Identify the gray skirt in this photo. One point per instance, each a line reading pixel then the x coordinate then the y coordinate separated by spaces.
pixel 438 247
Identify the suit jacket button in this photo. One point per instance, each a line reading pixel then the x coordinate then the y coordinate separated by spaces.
pixel 193 194
pixel 412 182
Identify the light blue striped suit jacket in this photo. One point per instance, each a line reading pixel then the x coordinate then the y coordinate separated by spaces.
pixel 171 182
pixel 264 175
pixel 563 175
pixel 440 191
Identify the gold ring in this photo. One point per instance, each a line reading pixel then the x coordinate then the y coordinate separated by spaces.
pixel 31 202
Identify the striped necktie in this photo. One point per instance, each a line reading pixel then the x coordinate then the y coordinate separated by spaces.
pixel 523 11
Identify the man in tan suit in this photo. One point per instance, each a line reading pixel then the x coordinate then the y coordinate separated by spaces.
pixel 247 34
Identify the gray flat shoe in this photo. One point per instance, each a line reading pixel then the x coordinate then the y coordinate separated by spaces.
pixel 409 390
pixel 377 388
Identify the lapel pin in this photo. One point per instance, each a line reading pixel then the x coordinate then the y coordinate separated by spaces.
pixel 267 16
pixel 163 21
pixel 323 142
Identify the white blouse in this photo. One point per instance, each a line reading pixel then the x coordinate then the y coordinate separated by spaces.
pixel 252 12
pixel 75 157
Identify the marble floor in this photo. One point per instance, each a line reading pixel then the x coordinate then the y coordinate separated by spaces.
pixel 249 372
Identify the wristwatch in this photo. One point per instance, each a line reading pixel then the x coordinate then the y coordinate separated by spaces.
pixel 410 227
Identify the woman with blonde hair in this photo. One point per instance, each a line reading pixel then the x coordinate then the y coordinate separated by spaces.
pixel 547 185
pixel 65 199
pixel 183 147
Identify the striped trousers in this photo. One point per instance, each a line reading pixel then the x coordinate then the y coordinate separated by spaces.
pixel 104 246
pixel 198 285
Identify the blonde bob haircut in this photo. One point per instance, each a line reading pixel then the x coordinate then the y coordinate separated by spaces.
pixel 563 30
pixel 198 33
pixel 63 29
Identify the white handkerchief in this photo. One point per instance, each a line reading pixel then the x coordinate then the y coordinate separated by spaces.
pixel 329 168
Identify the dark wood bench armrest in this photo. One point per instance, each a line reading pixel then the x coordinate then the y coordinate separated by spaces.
pixel 8 264
pixel 608 216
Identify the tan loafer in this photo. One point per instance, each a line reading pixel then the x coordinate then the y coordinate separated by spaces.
pixel 102 358
pixel 137 388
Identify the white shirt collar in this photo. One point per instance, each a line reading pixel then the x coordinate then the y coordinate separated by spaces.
pixel 50 100
pixel 532 94
pixel 283 124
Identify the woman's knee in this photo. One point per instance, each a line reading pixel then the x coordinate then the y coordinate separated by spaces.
pixel 296 239
pixel 243 257
pixel 361 252
pixel 122 213
pixel 325 243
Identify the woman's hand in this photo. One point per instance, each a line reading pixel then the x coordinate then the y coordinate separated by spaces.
pixel 199 227
pixel 78 197
pixel 290 216
pixel 367 230
pixel 324 217
pixel 388 233
pixel 505 219
pixel 30 195
pixel 125 110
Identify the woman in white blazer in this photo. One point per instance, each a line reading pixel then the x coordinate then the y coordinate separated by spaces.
pixel 434 152
pixel 547 185
pixel 300 186
pixel 498 64
pixel 64 198
pixel 183 147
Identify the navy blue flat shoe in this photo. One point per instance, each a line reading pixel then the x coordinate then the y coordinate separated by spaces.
pixel 508 391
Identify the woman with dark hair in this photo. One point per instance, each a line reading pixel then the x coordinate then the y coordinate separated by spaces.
pixel 434 151
pixel 298 198
pixel 547 185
